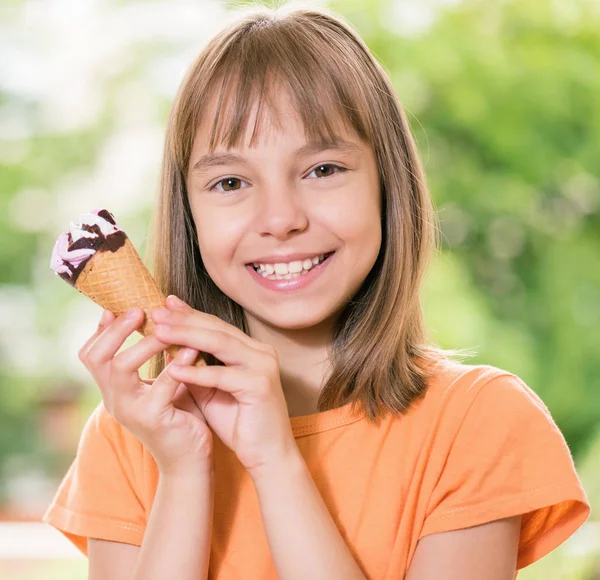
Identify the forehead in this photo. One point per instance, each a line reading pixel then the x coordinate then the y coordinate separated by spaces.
pixel 258 118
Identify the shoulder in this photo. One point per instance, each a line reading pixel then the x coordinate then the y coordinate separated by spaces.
pixel 102 433
pixel 492 451
pixel 106 446
pixel 476 400
pixel 487 414
pixel 101 422
pixel 106 491
pixel 459 386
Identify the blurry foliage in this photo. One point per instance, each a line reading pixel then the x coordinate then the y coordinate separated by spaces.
pixel 503 100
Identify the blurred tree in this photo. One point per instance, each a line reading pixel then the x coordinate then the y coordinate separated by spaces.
pixel 503 100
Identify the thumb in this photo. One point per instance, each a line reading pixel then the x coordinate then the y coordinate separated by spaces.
pixel 165 386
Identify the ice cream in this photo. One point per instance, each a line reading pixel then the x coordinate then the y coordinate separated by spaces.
pixel 98 231
pixel 97 258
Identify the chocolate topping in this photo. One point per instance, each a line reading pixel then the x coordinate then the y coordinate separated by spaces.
pixel 105 214
pixel 100 243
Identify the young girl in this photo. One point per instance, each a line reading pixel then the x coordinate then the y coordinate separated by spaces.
pixel 327 438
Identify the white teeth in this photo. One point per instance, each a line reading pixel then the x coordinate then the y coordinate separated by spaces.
pixel 281 271
pixel 295 267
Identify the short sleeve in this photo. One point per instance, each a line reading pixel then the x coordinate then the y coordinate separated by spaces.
pixel 508 458
pixel 99 496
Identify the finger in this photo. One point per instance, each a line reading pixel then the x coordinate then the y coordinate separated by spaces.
pixel 185 401
pixel 200 395
pixel 227 348
pixel 163 315
pixel 110 341
pixel 239 383
pixel 165 386
pixel 180 311
pixel 114 378
pixel 131 359
pixel 105 320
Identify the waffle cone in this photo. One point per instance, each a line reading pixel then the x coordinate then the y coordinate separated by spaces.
pixel 118 281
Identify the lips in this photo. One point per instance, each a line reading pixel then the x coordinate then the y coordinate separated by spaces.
pixel 292 284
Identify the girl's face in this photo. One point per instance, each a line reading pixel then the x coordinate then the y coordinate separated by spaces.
pixel 280 202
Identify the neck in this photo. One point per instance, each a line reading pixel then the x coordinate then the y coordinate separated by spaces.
pixel 303 362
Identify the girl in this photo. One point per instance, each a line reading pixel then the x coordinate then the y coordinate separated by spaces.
pixel 327 438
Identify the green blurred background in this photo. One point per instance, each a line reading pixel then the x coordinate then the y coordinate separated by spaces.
pixel 503 99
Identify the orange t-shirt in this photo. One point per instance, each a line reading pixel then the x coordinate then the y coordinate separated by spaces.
pixel 479 446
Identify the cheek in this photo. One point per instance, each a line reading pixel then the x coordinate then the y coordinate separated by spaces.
pixel 218 238
pixel 356 217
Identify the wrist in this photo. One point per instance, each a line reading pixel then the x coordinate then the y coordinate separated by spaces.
pixel 276 471
pixel 193 469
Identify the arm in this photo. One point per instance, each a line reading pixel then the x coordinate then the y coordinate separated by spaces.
pixel 109 559
pixel 178 536
pixel 304 540
pixel 488 551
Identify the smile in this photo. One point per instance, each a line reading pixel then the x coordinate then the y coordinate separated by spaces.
pixel 290 270
pixel 290 281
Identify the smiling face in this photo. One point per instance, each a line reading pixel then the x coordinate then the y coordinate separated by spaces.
pixel 284 197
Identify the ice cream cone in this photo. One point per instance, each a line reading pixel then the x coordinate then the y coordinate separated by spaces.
pixel 99 260
pixel 118 281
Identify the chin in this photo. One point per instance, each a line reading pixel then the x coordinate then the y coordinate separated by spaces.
pixel 294 320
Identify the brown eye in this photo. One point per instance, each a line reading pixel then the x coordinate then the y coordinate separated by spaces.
pixel 328 169
pixel 229 184
pixel 324 169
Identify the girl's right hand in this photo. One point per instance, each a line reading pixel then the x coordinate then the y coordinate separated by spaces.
pixel 164 415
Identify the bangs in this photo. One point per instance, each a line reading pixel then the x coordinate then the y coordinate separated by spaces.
pixel 328 96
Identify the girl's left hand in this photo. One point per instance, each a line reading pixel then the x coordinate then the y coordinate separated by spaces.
pixel 243 402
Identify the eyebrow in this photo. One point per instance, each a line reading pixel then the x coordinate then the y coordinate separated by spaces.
pixel 217 159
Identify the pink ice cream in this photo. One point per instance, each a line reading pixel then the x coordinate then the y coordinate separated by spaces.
pixel 97 231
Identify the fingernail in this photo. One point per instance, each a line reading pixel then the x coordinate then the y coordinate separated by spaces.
pixel 186 356
pixel 105 316
pixel 176 301
pixel 131 313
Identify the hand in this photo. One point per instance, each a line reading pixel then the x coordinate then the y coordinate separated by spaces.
pixel 243 401
pixel 163 416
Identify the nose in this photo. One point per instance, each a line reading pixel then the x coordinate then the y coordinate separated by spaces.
pixel 281 211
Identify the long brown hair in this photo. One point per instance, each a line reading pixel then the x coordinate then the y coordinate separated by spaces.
pixel 380 355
